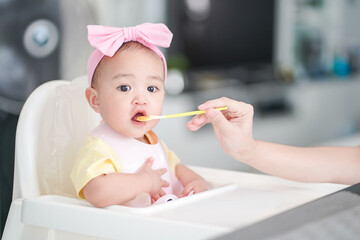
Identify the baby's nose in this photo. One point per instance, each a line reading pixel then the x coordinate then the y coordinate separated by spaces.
pixel 140 100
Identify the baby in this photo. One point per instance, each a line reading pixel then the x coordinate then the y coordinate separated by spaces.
pixel 123 158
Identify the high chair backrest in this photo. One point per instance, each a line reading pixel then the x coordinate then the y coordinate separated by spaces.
pixel 52 127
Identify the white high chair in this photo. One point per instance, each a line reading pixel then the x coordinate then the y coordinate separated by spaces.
pixel 52 127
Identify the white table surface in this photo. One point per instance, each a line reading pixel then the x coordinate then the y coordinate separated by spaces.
pixel 256 197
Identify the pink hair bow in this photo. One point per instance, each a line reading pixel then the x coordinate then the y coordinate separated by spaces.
pixel 107 40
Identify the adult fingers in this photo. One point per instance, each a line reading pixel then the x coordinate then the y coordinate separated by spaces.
pixel 218 120
pixel 197 122
pixel 219 102
pixel 235 108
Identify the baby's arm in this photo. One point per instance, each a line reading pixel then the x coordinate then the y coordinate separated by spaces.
pixel 118 188
pixel 190 180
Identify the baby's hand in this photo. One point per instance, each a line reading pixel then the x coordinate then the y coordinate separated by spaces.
pixel 152 179
pixel 198 185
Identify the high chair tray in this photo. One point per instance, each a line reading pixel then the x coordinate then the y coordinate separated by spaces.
pixel 49 211
pixel 206 215
pixel 214 190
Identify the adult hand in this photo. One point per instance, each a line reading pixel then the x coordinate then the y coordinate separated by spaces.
pixel 233 127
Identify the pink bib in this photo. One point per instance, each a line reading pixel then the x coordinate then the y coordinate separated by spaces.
pixel 133 153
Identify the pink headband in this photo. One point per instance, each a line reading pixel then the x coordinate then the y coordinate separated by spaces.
pixel 107 40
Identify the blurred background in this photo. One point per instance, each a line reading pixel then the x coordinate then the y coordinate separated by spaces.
pixel 296 61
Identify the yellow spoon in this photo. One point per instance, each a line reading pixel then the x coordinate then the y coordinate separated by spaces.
pixel 148 118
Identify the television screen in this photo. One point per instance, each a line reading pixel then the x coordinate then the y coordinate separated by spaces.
pixel 223 35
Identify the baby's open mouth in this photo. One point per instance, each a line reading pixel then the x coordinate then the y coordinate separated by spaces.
pixel 138 114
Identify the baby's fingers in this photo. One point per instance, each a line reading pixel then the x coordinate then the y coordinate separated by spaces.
pixel 164 183
pixel 155 197
pixel 149 162
pixel 162 192
pixel 187 189
pixel 161 171
pixel 159 194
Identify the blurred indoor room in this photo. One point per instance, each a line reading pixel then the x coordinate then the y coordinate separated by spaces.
pixel 296 61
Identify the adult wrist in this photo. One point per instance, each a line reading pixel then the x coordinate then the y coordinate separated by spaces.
pixel 248 153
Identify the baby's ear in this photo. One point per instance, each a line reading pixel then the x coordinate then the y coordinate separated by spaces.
pixel 93 99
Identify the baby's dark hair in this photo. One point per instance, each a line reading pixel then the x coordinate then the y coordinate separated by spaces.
pixel 128 46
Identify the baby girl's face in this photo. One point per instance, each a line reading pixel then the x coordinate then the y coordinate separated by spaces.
pixel 131 84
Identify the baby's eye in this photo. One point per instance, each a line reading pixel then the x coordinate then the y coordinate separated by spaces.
pixel 152 89
pixel 124 88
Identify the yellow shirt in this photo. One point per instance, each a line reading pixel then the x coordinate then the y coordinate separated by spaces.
pixel 97 157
